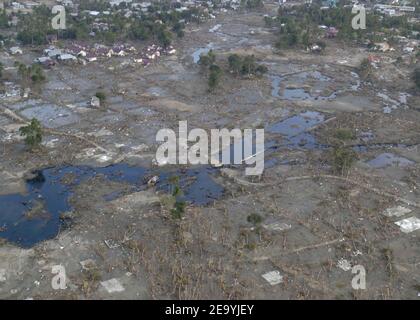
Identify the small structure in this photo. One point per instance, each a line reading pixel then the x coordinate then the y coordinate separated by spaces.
pixel 408 49
pixel 45 61
pixel 65 57
pixel 315 48
pixel 53 52
pixel 15 50
pixel 90 57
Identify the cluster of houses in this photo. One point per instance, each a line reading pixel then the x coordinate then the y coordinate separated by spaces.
pixel 128 8
pixel 23 6
pixel 133 8
pixel 393 9
pixel 407 46
pixel 84 53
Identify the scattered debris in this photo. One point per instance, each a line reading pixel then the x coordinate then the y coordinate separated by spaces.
pixel 152 181
pixel 409 225
pixel 344 264
pixel 111 244
pixel 88 264
pixel 113 285
pixel 95 102
pixel 273 277
pixel 396 211
pixel 277 226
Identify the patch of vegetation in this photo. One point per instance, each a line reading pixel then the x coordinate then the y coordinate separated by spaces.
pixel 4 19
pixel 252 239
pixel 178 209
pixel 389 260
pixel 298 26
pixel 101 96
pixel 245 66
pixel 237 65
pixel 342 159
pixel 164 37
pixel 214 76
pixel 214 72
pixel 90 280
pixel 32 133
pixel 252 4
pixel 30 75
pixel 344 134
pixel 158 24
pixel 255 219
pixel 208 59
pixel 365 69
pixel 292 35
pixel 178 28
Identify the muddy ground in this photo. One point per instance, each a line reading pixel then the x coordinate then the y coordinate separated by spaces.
pixel 316 224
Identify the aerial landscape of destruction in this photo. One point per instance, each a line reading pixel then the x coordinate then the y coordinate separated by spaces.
pixel 209 149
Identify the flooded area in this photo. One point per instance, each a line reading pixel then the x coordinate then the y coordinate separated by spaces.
pixel 39 214
pixel 292 93
pixel 201 51
pixel 389 159
pixel 294 130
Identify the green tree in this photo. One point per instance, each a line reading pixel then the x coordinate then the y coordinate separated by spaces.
pixel 252 4
pixel 37 73
pixel 30 75
pixel 208 59
pixel 214 76
pixel 248 65
pixel 261 69
pixel 165 38
pixel 245 66
pixel 365 68
pixel 342 158
pixel 178 204
pixel 4 19
pixel 235 63
pixel 32 133
pixel 178 28
pixel 101 96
